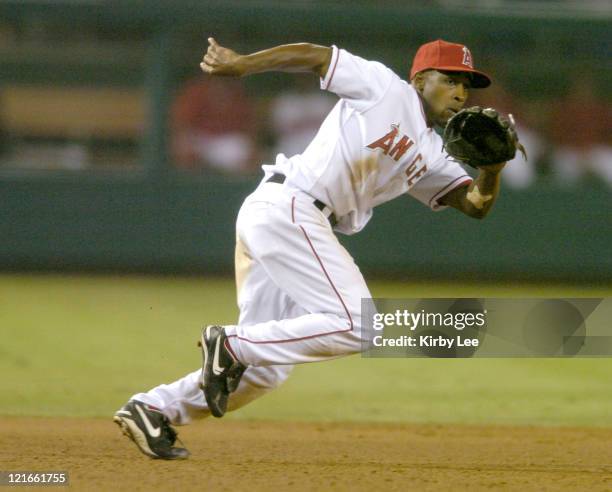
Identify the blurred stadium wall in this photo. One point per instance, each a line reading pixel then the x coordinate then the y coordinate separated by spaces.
pixel 89 123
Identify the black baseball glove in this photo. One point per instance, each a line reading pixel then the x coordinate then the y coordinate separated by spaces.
pixel 481 137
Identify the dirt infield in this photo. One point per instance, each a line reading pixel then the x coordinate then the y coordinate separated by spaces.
pixel 230 455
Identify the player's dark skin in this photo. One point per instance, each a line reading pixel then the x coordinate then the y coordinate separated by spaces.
pixel 443 93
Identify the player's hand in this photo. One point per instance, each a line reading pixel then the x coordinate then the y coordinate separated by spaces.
pixel 221 61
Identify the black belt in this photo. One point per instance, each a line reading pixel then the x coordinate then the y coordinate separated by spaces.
pixel 280 179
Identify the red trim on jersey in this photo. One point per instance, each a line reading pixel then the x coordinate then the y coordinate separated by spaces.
pixel 331 283
pixel 447 189
pixel 333 69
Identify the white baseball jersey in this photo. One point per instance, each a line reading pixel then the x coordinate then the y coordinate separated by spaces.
pixel 373 146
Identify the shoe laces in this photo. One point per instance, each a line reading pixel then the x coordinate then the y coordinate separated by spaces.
pixel 169 433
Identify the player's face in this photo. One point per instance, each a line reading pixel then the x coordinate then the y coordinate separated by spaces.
pixel 444 92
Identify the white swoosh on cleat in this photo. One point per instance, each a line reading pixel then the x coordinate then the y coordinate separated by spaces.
pixel 153 431
pixel 217 369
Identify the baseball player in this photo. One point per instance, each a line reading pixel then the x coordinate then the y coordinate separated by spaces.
pixel 299 291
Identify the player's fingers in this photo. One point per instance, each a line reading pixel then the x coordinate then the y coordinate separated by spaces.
pixel 210 60
pixel 212 42
pixel 206 68
pixel 213 52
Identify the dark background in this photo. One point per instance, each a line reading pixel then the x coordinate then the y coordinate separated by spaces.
pixel 89 181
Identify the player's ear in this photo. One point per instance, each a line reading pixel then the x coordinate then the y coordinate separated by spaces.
pixel 418 82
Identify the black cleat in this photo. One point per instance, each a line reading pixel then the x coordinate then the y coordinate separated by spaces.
pixel 150 430
pixel 221 371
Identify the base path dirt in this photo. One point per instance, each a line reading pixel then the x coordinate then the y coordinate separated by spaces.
pixel 231 455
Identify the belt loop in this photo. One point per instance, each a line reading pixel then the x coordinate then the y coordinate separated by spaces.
pixel 276 178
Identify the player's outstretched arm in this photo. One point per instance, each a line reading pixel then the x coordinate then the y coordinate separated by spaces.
pixel 477 199
pixel 300 57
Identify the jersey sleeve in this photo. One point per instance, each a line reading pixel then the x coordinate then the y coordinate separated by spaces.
pixel 441 178
pixel 361 83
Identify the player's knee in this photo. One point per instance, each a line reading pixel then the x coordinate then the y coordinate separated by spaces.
pixel 350 340
pixel 281 374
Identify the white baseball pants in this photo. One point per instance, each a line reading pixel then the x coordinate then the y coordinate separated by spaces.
pixel 299 293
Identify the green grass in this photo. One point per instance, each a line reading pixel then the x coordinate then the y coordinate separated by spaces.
pixel 81 345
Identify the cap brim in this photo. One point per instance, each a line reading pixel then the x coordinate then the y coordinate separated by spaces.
pixel 480 80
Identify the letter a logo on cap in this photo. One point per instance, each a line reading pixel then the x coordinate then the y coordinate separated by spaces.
pixel 467 58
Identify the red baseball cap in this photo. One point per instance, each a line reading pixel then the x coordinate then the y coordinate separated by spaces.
pixel 442 55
